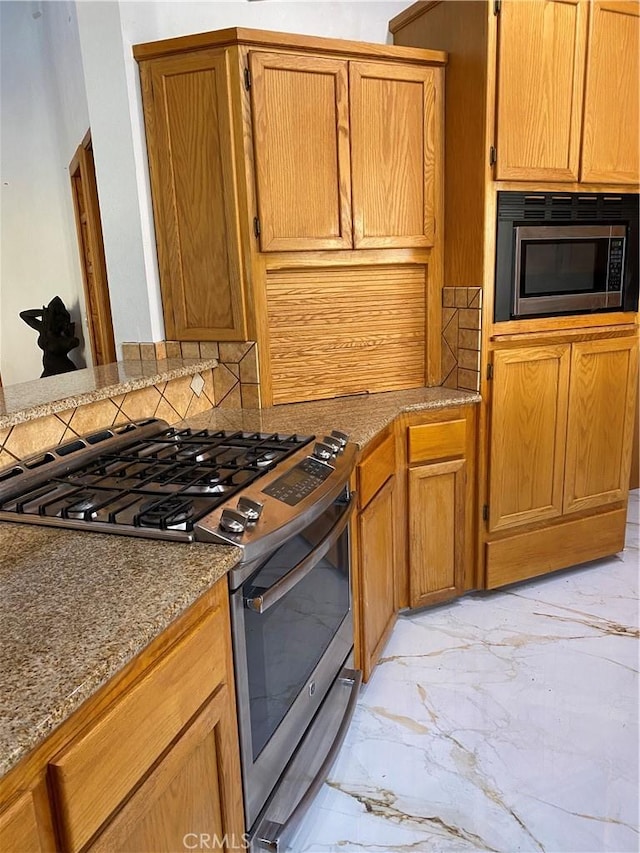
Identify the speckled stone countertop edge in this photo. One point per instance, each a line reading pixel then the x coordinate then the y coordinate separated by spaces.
pixel 58 650
pixel 158 371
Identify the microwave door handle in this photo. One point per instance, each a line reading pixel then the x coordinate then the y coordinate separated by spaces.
pixel 280 588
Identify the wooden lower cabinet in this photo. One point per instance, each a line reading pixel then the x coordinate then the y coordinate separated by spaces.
pixel 150 763
pixel 375 553
pixel 560 446
pixel 440 506
pixel 182 804
pixel 436 531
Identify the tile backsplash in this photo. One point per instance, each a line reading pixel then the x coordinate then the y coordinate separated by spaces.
pixel 172 401
pixel 236 379
pixel 461 329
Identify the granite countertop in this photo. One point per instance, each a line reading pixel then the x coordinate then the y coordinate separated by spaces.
pixel 76 608
pixel 29 400
pixel 361 416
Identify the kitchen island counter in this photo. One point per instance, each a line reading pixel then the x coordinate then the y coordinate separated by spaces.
pixel 76 608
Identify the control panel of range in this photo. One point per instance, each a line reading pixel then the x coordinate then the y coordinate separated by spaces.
pixel 299 481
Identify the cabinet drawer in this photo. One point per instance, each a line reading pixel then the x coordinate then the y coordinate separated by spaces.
pixel 437 441
pixel 375 470
pixel 93 775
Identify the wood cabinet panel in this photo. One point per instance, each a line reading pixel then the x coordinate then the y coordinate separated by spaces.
pixel 377 575
pixel 186 797
pixel 600 422
pixel 539 120
pixel 611 133
pixel 301 145
pixel 528 430
pixel 19 827
pixel 546 549
pixel 375 470
pixel 437 441
pixel 95 773
pixel 394 152
pixel 345 330
pixel 188 120
pixel 436 531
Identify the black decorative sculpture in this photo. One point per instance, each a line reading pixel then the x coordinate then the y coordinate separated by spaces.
pixel 55 335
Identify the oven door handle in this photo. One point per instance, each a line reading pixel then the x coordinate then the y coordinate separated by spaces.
pixel 280 588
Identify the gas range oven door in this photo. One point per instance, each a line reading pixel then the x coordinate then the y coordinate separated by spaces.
pixel 293 635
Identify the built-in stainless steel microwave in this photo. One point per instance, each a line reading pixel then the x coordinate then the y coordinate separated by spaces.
pixel 565 253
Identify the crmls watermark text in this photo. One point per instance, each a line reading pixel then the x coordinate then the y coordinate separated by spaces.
pixel 205 841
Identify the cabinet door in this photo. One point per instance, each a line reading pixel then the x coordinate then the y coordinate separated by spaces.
pixel 301 147
pixel 600 428
pixel 528 429
pixel 188 119
pixel 192 794
pixel 436 531
pixel 395 154
pixel 541 54
pixel 19 827
pixel 611 130
pixel 376 566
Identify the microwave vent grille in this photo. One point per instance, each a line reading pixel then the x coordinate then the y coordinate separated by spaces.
pixel 567 207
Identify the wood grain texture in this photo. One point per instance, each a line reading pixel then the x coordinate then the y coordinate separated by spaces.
pixel 19 827
pixel 538 127
pixel 600 422
pixel 429 442
pixel 461 29
pixel 349 330
pixel 537 552
pixel 377 574
pixel 92 776
pixel 92 259
pixel 436 531
pixel 186 796
pixel 301 145
pixel 611 129
pixel 193 181
pixel 394 142
pixel 553 325
pixel 285 41
pixel 375 469
pixel 528 431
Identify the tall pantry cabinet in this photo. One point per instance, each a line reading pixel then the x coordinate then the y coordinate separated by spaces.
pixel 542 96
pixel 297 188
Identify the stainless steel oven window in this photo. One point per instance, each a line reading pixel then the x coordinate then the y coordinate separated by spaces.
pixel 288 655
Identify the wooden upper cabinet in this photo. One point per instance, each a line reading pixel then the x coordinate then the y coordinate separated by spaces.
pixel 611 130
pixel 301 147
pixel 188 119
pixel 541 54
pixel 601 415
pixel 528 430
pixel 394 154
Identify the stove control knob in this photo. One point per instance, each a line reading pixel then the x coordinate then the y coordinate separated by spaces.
pixel 252 509
pixel 333 443
pixel 233 521
pixel 322 451
pixel 340 437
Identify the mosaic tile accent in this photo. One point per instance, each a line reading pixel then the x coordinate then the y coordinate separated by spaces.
pixel 237 379
pixel 172 401
pixel 461 327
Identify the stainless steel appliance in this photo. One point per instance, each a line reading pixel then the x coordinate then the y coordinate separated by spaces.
pixel 285 501
pixel 565 253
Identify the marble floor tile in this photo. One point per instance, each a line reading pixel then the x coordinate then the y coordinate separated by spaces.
pixel 505 721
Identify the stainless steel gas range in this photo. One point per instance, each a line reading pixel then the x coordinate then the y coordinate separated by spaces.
pixel 284 500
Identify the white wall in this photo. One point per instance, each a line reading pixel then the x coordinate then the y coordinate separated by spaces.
pixel 107 32
pixel 44 118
